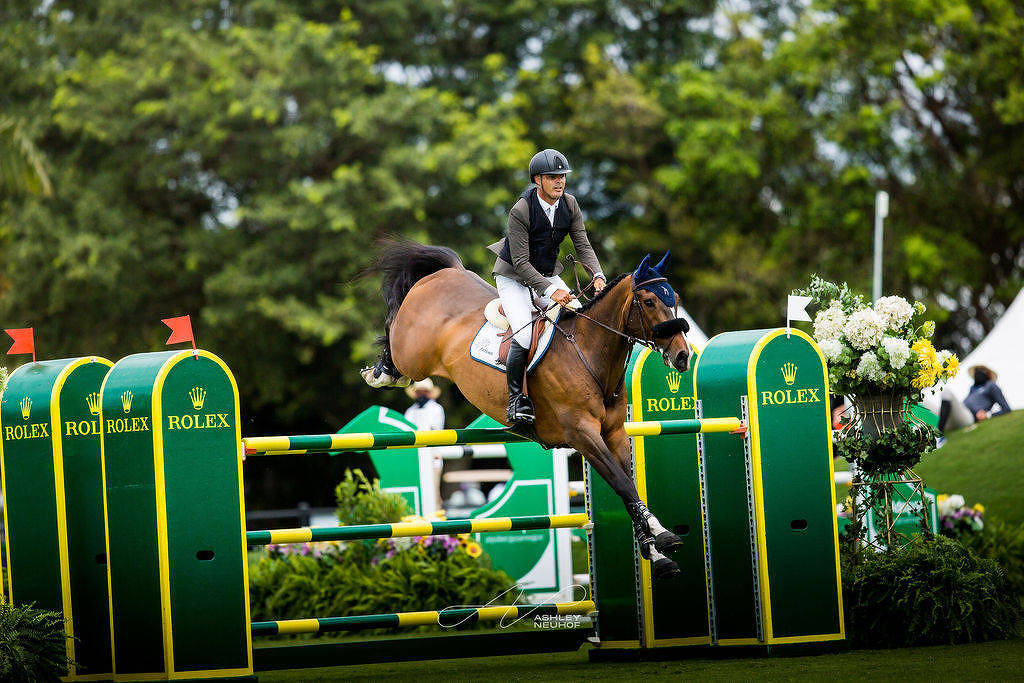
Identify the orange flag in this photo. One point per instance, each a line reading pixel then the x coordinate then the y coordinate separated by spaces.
pixel 23 341
pixel 181 330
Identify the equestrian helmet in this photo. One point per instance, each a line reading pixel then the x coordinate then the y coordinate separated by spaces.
pixel 549 162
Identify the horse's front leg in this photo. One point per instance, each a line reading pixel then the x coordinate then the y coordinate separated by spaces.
pixel 644 520
pixel 591 444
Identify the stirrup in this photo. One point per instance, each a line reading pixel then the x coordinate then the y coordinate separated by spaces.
pixel 520 410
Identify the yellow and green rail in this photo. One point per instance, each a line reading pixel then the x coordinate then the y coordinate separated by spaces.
pixel 457 616
pixel 407 529
pixel 326 443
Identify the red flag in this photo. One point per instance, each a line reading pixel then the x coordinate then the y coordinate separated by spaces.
pixel 181 330
pixel 23 341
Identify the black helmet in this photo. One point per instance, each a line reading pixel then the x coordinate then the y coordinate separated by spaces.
pixel 549 162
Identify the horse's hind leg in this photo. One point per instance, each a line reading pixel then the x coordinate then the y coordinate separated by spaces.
pixel 665 541
pixel 383 373
pixel 592 446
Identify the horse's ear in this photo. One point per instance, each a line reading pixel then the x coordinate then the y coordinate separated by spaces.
pixel 643 264
pixel 663 263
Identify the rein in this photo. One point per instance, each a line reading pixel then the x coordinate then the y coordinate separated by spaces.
pixel 634 305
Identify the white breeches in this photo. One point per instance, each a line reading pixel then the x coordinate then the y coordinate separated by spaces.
pixel 515 301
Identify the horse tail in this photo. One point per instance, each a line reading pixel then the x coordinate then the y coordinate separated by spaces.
pixel 403 263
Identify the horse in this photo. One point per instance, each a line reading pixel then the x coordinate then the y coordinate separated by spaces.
pixel 435 306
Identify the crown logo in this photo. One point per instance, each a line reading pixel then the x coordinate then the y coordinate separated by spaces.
pixel 198 396
pixel 789 373
pixel 26 407
pixel 126 401
pixel 674 379
pixel 93 401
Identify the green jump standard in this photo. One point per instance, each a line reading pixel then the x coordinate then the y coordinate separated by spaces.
pixel 53 502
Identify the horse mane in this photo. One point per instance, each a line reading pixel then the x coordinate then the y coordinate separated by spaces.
pixel 604 292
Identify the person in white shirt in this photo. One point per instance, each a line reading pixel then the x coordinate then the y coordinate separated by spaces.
pixel 425 413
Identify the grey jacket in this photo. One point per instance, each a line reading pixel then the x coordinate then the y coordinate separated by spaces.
pixel 519 245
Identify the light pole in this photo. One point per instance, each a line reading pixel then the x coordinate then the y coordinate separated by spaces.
pixel 881 211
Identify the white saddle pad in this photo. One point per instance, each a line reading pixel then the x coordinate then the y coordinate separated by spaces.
pixel 484 348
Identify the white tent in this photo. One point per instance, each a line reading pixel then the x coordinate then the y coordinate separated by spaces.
pixel 1001 351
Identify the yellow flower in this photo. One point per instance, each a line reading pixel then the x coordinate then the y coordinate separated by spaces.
pixel 925 351
pixel 952 365
pixel 473 549
pixel 978 507
pixel 941 497
pixel 924 380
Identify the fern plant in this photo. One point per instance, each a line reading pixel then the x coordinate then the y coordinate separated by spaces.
pixel 32 644
pixel 933 592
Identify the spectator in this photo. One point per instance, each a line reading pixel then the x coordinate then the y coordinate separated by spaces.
pixel 426 413
pixel 985 394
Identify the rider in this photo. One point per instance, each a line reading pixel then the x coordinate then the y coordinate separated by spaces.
pixel 528 262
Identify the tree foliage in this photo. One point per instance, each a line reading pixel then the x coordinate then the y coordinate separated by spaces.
pixel 238 160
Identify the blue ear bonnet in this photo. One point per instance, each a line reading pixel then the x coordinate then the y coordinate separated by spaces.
pixel 663 290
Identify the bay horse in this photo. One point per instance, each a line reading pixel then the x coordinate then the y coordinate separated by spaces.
pixel 435 306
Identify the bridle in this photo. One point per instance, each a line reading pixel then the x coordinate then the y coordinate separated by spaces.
pixel 634 305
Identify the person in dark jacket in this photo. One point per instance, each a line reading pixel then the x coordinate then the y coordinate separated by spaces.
pixel 984 394
pixel 528 265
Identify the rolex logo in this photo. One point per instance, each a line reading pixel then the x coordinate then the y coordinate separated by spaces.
pixel 93 401
pixel 126 401
pixel 26 407
pixel 674 379
pixel 198 396
pixel 789 373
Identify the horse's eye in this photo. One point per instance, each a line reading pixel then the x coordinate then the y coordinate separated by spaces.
pixel 649 303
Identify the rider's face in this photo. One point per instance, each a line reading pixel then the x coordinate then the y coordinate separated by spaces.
pixel 552 186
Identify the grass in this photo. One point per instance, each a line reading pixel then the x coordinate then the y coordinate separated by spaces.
pixel 984 464
pixel 1002 660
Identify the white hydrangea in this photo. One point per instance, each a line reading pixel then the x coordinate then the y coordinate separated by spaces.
pixel 831 348
pixel 828 324
pixel 869 367
pixel 864 329
pixel 898 350
pixel 894 310
pixel 943 356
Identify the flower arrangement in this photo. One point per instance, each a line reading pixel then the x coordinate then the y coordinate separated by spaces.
pixel 884 346
pixel 956 519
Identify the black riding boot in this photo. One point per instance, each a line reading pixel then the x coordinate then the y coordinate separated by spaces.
pixel 520 408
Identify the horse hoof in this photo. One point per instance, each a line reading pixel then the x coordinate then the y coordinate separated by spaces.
pixel 665 569
pixel 382 380
pixel 667 542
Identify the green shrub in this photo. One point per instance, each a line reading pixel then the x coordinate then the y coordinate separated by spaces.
pixel 1003 543
pixel 32 644
pixel 361 501
pixel 373 577
pixel 932 592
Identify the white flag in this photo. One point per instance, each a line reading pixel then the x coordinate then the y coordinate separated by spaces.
pixel 797 309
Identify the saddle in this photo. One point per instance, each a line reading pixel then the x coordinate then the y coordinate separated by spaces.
pixel 495 315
